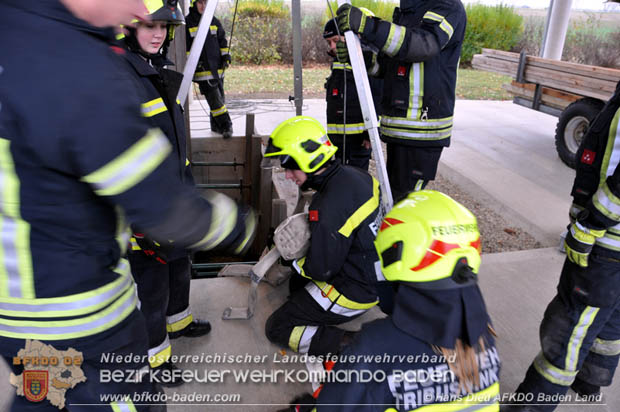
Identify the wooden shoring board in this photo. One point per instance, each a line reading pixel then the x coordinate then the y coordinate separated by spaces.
pixel 596 88
pixel 481 62
pixel 572 80
pixel 550 97
pixel 594 72
pixel 534 76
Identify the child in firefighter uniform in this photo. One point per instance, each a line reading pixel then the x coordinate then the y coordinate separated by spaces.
pixel 213 61
pixel 337 276
pixel 162 272
pixel 580 331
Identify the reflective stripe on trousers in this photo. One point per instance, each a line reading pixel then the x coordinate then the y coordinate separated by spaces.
pixel 301 337
pixel 323 299
pixel 160 353
pixel 179 321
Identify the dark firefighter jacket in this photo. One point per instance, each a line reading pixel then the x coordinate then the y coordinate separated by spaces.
pixel 597 181
pixel 421 51
pixel 342 257
pixel 341 91
pixel 160 107
pixel 77 160
pixel 406 373
pixel 210 63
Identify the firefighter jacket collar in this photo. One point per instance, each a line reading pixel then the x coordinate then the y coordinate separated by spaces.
pixel 142 67
pixel 54 9
pixel 317 181
pixel 148 68
pixel 440 317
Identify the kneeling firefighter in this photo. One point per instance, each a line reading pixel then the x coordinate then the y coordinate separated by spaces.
pixel 335 281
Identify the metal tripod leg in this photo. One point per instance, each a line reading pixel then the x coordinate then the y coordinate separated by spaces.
pixel 257 272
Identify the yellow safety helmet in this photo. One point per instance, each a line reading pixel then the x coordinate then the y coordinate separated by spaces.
pixel 301 143
pixel 430 241
pixel 165 10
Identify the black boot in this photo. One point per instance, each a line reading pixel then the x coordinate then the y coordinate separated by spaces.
pixel 584 388
pixel 195 329
pixel 167 376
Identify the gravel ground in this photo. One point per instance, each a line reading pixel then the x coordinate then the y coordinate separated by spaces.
pixel 497 234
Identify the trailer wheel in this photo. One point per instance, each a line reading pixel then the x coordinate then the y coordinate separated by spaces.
pixel 572 126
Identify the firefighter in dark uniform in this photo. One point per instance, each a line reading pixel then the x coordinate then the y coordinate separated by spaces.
pixel 78 161
pixel 162 273
pixel 348 136
pixel 339 268
pixel 214 60
pixel 419 56
pixel 436 352
pixel 580 331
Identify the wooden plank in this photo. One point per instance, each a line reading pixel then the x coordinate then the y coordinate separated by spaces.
pixel 571 84
pixel 596 72
pixel 553 75
pixel 577 90
pixel 500 54
pixel 544 76
pixel 481 62
pixel 548 96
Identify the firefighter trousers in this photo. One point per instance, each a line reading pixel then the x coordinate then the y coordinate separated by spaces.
pixel 302 325
pixel 580 333
pixel 127 342
pixel 353 152
pixel 213 90
pixel 164 300
pixel 410 168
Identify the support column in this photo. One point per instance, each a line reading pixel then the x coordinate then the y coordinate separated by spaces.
pixel 555 32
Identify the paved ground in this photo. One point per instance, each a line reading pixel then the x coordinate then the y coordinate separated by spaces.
pixel 501 152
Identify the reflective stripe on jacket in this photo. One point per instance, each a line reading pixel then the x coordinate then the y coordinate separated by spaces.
pixel 418 99
pixel 216 46
pixel 597 175
pixel 343 215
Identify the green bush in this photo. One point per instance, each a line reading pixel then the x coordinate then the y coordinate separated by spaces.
pixel 313 46
pixel 382 9
pixel 259 27
pixel 262 8
pixel 494 27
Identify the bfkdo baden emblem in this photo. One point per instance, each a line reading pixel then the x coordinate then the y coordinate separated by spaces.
pixel 35 385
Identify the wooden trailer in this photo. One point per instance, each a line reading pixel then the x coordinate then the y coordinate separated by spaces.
pixel 575 93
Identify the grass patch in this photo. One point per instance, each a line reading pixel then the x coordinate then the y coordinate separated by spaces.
pixel 275 79
pixel 480 85
pixel 277 82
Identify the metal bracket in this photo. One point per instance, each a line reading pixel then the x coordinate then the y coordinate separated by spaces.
pixel 256 273
pixel 521 67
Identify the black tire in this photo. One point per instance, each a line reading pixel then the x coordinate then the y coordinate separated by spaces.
pixel 572 126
